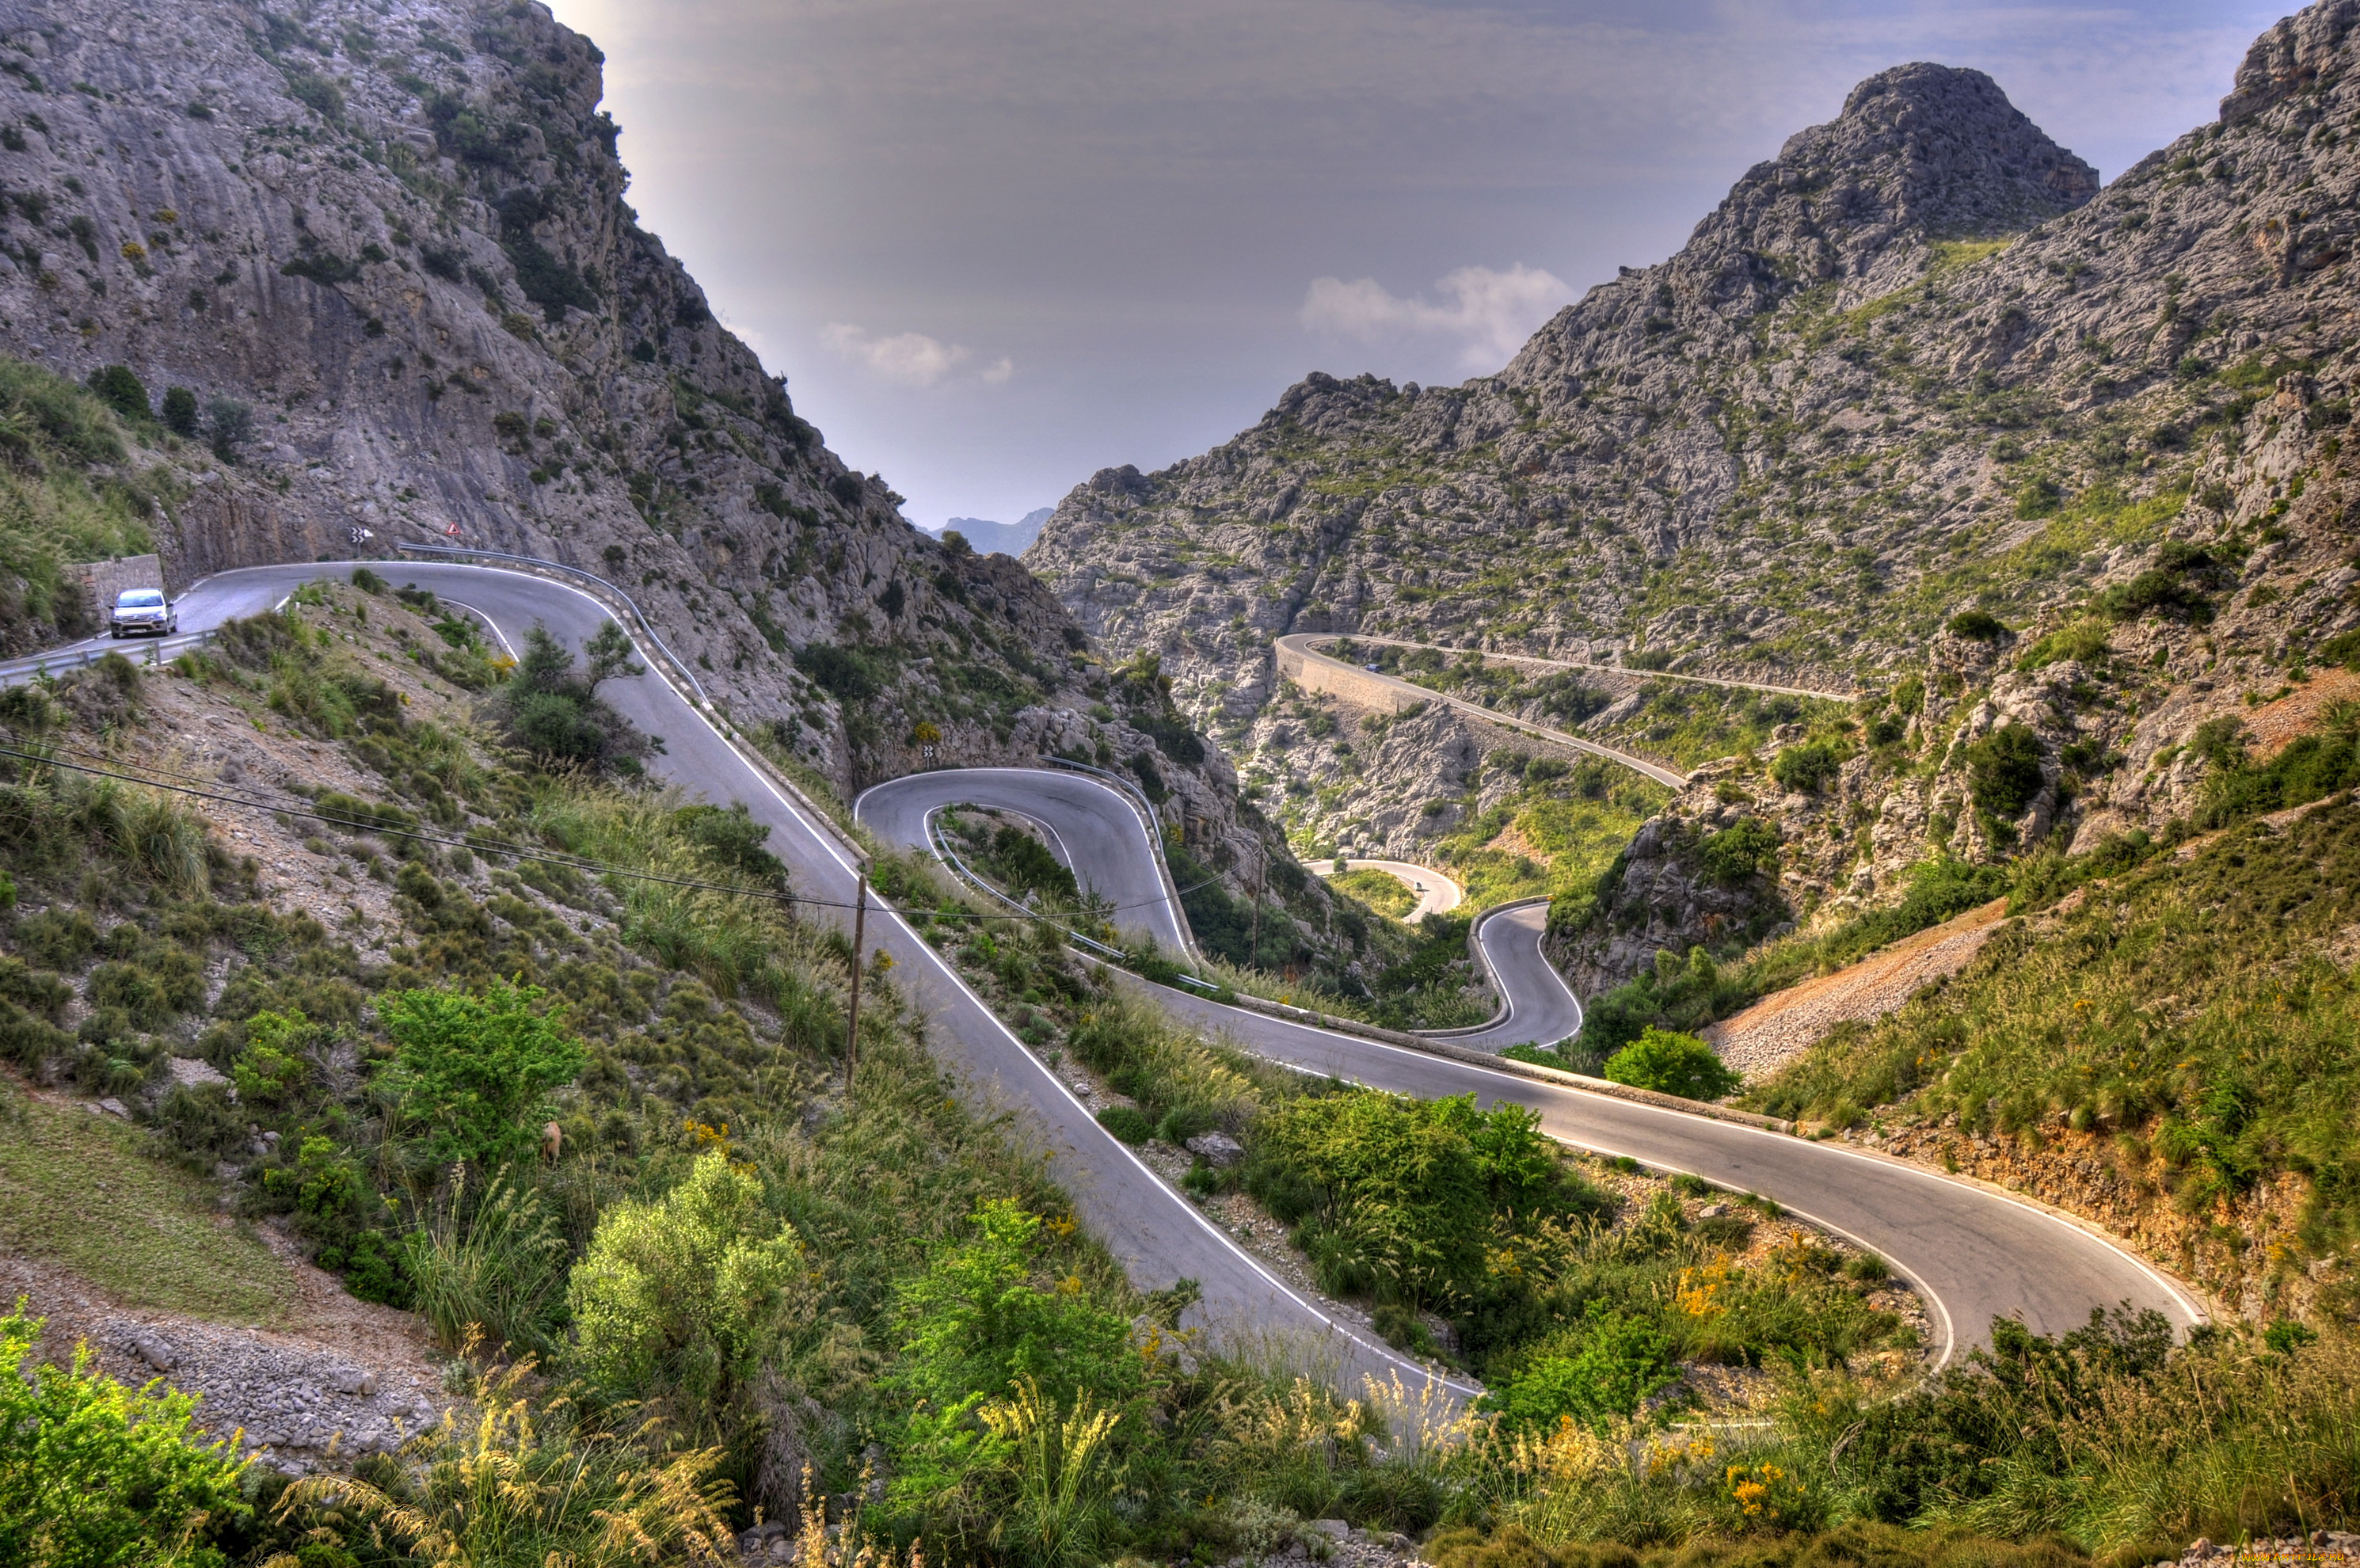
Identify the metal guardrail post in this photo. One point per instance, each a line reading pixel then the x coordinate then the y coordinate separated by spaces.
pixel 1154 829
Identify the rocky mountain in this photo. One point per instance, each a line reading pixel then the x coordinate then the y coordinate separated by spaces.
pixel 1915 367
pixel 364 274
pixel 989 537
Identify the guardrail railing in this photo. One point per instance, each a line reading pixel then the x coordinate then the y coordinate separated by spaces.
pixel 59 661
pixel 1153 825
pixel 646 625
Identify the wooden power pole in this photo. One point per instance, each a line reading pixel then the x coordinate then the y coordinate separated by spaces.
pixel 852 1020
pixel 1255 962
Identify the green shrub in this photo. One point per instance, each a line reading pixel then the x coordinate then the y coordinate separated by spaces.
pixel 272 1066
pixel 121 391
pixel 1127 1123
pixel 474 1071
pixel 1740 851
pixel 342 1216
pixel 2004 770
pixel 556 716
pixel 1672 1064
pixel 1806 766
pixel 2085 640
pixel 1675 994
pixel 1976 625
pixel 1602 1369
pixel 94 1475
pixel 1403 1200
pixel 683 1297
pixel 1030 868
pixel 181 412
pixel 976 1322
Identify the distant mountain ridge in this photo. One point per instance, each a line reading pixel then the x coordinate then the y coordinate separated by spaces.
pixel 1916 365
pixel 989 537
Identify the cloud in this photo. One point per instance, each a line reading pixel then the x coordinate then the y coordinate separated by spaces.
pixel 1491 313
pixel 912 359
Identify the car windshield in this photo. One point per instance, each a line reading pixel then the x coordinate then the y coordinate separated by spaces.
pixel 139 599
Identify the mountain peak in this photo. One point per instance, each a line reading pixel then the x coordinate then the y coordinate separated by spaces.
pixel 1921 152
pixel 2301 52
pixel 1936 148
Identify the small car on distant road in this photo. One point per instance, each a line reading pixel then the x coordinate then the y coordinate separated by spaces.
pixel 143 610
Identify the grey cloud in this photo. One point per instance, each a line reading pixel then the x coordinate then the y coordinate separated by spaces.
pixel 1131 200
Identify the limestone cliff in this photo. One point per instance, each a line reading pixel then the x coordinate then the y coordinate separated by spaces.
pixel 371 269
pixel 1918 365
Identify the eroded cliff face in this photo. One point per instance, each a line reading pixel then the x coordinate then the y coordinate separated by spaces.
pixel 397 236
pixel 383 250
pixel 1916 365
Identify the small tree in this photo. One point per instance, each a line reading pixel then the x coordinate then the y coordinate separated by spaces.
pixel 476 1070
pixel 607 654
pixel 121 391
pixel 1671 1063
pixel 2004 770
pixel 232 424
pixel 181 412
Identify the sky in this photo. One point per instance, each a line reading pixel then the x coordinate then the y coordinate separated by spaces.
pixel 996 245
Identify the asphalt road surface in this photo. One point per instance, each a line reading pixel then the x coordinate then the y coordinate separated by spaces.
pixel 1307 644
pixel 1973 1253
pixel 1160 1237
pixel 1436 894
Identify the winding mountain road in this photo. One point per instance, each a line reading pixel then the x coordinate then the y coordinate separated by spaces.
pixel 1435 894
pixel 1973 1253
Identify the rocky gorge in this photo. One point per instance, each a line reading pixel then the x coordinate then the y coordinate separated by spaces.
pixel 365 275
pixel 2001 452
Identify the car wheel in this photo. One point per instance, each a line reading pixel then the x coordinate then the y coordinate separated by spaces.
pixel 115 631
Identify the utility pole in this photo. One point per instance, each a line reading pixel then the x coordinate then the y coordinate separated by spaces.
pixel 1259 883
pixel 852 1022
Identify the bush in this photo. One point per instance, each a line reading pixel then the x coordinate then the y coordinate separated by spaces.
pixel 181 412
pixel 974 1324
pixel 555 715
pixel 1672 1064
pixel 1603 1370
pixel 121 391
pixel 1405 1200
pixel 1802 769
pixel 1127 1123
pixel 272 1066
pixel 1678 993
pixel 94 1474
pixel 1740 851
pixel 1977 626
pixel 683 1297
pixel 1030 868
pixel 2004 770
pixel 474 1071
pixel 231 425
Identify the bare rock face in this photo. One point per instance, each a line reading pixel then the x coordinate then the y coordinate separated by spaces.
pixel 396 238
pixel 1916 365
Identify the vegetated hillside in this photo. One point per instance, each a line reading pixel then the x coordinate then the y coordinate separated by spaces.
pixel 348 267
pixel 1910 368
pixel 740 1278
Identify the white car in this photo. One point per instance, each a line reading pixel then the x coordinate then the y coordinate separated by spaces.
pixel 143 610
